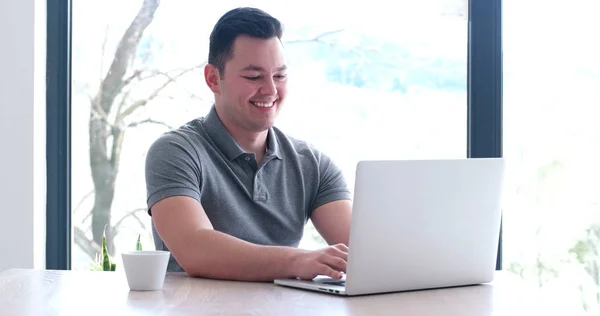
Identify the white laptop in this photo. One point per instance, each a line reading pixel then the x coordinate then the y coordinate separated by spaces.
pixel 420 224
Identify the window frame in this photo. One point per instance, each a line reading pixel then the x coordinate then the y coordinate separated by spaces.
pixel 484 85
pixel 58 135
pixel 484 112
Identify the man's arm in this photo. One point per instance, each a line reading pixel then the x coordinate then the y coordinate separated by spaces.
pixel 203 252
pixel 332 207
pixel 332 221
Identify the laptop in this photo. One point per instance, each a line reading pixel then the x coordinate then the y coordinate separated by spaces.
pixel 419 224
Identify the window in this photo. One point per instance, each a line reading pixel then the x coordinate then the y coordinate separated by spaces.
pixel 551 133
pixel 366 83
pixel 368 64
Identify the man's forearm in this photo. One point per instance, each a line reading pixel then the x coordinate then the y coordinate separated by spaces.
pixel 213 254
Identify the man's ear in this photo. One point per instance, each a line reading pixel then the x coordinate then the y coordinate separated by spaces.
pixel 212 76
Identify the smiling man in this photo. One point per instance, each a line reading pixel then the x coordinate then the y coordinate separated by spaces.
pixel 229 193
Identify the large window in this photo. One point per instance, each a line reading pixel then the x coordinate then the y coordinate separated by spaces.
pixel 552 139
pixel 387 80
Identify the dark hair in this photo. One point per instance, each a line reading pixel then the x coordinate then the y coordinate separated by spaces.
pixel 240 21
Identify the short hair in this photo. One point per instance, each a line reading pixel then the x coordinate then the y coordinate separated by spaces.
pixel 240 21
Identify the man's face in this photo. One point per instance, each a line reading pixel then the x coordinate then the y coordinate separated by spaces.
pixel 253 86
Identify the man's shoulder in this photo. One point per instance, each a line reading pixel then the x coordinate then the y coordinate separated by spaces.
pixel 188 136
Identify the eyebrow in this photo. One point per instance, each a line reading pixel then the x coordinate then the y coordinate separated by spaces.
pixel 258 68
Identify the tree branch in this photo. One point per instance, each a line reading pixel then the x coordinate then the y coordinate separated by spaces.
pixel 136 105
pixel 136 75
pixel 123 101
pixel 118 128
pixel 96 102
pixel 86 217
pixel 112 83
pixel 98 111
pixel 85 197
pixel 318 38
pixel 149 121
pixel 132 213
pixel 88 246
pixel 118 133
pixel 142 225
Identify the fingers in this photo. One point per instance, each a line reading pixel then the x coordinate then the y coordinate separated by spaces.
pixel 336 257
pixel 336 263
pixel 328 271
pixel 330 261
pixel 337 252
pixel 341 247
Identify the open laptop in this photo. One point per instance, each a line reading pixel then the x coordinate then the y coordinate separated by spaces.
pixel 420 224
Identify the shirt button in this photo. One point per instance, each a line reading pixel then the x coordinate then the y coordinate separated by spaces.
pixel 247 158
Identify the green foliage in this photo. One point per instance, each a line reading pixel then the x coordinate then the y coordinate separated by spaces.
pixel 138 244
pixel 587 252
pixel 103 262
pixel 581 250
pixel 517 268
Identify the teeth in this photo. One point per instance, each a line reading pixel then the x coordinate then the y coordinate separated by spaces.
pixel 263 105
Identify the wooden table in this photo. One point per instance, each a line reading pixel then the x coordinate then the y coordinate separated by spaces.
pixel 49 292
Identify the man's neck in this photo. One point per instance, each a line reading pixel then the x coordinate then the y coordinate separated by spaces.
pixel 255 142
pixel 250 142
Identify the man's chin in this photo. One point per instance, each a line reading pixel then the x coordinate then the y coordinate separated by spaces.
pixel 261 127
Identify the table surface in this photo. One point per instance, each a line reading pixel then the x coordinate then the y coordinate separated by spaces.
pixel 26 292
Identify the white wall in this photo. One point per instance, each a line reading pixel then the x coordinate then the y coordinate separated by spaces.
pixel 22 134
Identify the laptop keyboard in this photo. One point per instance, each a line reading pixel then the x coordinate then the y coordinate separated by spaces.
pixel 340 283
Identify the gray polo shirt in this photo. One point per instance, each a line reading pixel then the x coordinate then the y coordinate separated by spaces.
pixel 266 204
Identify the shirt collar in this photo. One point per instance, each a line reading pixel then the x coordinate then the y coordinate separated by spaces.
pixel 221 137
pixel 273 144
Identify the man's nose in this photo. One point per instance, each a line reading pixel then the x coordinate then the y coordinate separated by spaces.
pixel 268 87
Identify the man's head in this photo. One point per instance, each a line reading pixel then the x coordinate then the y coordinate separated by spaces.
pixel 246 69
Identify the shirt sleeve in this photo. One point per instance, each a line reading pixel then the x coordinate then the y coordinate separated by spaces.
pixel 332 184
pixel 172 169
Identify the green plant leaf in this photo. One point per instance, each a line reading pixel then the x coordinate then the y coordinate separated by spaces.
pixel 96 264
pixel 138 245
pixel 105 258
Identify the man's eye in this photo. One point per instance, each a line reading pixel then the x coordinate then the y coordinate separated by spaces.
pixel 280 77
pixel 251 78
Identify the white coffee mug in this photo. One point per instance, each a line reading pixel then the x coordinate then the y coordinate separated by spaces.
pixel 145 270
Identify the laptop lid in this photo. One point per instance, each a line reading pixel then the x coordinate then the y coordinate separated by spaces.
pixel 419 224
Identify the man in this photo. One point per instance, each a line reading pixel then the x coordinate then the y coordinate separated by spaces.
pixel 229 194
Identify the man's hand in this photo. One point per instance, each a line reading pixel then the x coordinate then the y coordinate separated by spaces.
pixel 329 261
